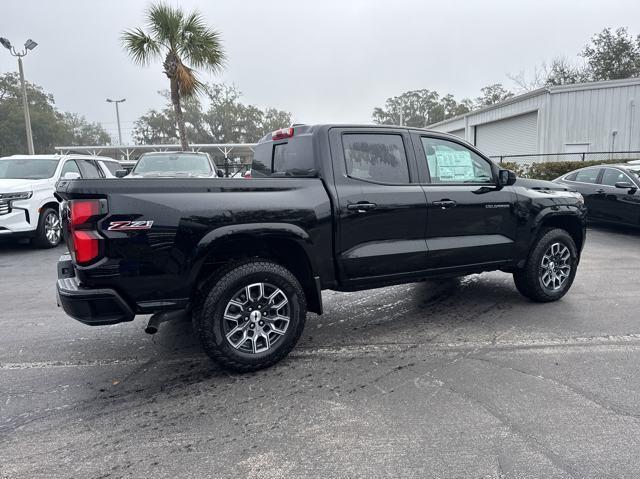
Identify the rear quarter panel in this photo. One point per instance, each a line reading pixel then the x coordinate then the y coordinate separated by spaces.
pixel 158 264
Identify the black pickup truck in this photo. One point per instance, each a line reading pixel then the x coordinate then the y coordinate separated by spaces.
pixel 342 207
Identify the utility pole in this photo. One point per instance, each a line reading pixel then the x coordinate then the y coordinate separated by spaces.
pixel 117 117
pixel 29 45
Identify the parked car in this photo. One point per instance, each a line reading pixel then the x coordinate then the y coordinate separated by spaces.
pixel 611 192
pixel 27 183
pixel 127 165
pixel 174 164
pixel 329 207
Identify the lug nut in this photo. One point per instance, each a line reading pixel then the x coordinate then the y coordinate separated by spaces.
pixel 261 323
pixel 252 325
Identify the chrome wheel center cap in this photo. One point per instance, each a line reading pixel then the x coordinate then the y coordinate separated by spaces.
pixel 255 316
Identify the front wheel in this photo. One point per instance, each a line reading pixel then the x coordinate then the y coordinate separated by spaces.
pixel 49 232
pixel 252 317
pixel 550 269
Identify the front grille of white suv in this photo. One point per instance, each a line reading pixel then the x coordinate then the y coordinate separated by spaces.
pixel 4 207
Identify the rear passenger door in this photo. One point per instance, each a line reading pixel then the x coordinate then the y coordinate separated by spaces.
pixel 471 221
pixel 381 210
pixel 586 182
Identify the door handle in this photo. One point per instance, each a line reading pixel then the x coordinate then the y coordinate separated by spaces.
pixel 444 204
pixel 600 191
pixel 361 207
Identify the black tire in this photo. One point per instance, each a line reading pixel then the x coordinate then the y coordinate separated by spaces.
pixel 41 240
pixel 212 328
pixel 529 281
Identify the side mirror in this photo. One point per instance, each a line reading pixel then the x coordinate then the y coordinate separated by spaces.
pixel 71 175
pixel 121 173
pixel 625 185
pixel 506 177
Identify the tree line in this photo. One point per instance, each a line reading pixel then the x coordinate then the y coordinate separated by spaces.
pixel 609 55
pixel 215 113
pixel 50 126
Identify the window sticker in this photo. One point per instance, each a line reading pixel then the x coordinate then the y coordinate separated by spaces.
pixel 454 166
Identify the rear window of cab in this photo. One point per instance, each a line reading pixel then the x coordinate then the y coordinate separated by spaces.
pixel 293 157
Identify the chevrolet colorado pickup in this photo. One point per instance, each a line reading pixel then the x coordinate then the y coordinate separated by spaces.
pixel 340 207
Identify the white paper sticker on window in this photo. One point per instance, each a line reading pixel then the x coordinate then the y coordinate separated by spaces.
pixel 454 166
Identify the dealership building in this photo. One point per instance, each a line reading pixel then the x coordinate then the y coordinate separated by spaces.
pixel 587 117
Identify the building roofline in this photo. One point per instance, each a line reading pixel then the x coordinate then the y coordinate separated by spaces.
pixel 541 91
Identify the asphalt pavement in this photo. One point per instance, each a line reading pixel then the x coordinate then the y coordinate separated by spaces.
pixel 458 378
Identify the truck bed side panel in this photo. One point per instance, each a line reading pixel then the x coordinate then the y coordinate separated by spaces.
pixel 157 264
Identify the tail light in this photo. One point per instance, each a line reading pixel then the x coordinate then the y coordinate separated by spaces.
pixel 282 133
pixel 86 243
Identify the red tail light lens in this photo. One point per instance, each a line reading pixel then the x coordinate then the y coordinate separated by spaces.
pixel 86 245
pixel 282 133
pixel 85 241
pixel 83 210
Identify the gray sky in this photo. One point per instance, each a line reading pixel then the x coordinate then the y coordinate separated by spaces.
pixel 325 60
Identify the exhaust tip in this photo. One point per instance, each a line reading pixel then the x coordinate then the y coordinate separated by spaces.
pixel 151 330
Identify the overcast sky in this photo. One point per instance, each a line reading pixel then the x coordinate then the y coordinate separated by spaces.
pixel 323 60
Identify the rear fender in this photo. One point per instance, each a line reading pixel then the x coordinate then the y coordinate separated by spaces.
pixel 263 239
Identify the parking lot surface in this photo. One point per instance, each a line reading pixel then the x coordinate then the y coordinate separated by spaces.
pixel 459 378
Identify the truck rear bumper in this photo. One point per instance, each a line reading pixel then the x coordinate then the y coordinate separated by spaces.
pixel 95 307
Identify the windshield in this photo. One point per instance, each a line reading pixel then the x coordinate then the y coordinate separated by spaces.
pixel 27 168
pixel 635 171
pixel 188 164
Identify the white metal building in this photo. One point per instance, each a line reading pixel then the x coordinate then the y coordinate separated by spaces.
pixel 586 117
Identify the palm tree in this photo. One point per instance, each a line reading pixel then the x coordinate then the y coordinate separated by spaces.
pixel 177 37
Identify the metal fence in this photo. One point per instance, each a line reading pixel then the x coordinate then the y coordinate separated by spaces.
pixel 603 156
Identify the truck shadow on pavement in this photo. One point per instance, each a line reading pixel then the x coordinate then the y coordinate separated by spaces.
pixel 400 316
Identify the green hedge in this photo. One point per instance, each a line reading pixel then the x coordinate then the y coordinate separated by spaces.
pixel 552 169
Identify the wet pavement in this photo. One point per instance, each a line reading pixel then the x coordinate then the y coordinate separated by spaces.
pixel 460 378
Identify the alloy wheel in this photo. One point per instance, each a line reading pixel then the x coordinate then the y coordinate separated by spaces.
pixel 256 318
pixel 555 267
pixel 52 228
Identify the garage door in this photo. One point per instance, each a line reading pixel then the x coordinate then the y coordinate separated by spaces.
pixel 458 133
pixel 514 136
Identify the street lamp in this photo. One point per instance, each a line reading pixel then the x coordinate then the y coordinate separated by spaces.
pixel 28 45
pixel 109 100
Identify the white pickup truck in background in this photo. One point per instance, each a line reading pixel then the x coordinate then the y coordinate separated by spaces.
pixel 28 208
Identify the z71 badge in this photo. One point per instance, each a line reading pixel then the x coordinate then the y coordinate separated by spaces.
pixel 129 225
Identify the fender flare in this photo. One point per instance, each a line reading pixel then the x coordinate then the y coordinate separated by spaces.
pixel 288 231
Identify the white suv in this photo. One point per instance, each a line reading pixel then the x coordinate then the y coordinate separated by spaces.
pixel 27 183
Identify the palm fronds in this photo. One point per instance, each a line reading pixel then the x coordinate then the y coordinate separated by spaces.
pixel 140 46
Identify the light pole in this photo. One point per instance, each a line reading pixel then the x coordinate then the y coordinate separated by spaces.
pixel 28 45
pixel 109 100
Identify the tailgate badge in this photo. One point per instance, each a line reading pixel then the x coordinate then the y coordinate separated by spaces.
pixel 129 225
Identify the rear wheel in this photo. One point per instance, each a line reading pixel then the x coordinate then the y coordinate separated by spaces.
pixel 49 232
pixel 252 316
pixel 550 269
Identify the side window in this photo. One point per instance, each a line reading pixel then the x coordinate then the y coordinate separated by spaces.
pixel 376 157
pixel 89 169
pixel 572 176
pixel 112 166
pixel 450 162
pixel 611 177
pixel 589 175
pixel 70 166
